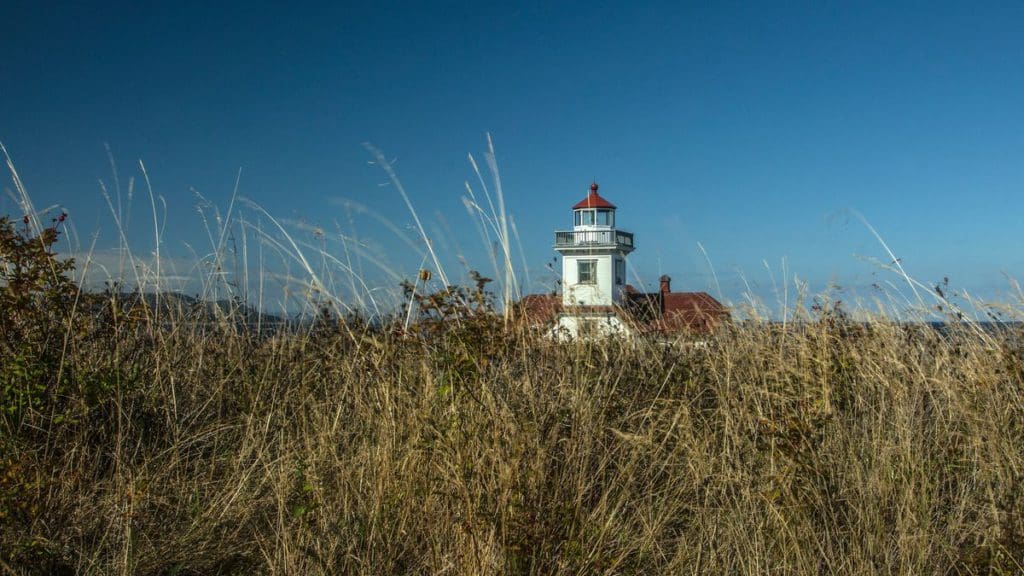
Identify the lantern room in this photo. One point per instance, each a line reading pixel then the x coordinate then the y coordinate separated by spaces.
pixel 593 212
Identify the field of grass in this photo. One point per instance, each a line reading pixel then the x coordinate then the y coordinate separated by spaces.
pixel 145 436
pixel 132 445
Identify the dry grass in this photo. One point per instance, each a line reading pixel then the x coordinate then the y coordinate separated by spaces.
pixel 824 448
pixel 139 442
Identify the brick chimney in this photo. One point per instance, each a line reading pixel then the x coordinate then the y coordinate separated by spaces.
pixel 666 284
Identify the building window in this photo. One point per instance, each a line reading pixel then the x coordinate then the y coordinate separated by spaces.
pixel 605 218
pixel 584 217
pixel 586 271
pixel 620 271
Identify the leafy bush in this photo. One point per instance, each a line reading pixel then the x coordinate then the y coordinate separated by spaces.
pixel 37 301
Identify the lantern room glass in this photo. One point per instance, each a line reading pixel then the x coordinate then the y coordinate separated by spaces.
pixel 592 217
pixel 584 217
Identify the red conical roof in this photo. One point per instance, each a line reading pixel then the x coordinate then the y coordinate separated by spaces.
pixel 593 200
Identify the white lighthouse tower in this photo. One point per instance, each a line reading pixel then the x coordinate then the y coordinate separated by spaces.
pixel 593 269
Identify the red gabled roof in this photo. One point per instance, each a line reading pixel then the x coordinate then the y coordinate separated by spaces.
pixel 540 309
pixel 593 200
pixel 652 312
pixel 696 311
pixel 670 312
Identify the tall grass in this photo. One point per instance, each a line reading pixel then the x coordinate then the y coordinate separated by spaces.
pixel 863 449
pixel 165 443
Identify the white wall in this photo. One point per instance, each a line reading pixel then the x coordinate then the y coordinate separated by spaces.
pixel 599 326
pixel 597 294
pixel 602 293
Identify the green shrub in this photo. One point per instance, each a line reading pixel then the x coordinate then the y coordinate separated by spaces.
pixel 37 300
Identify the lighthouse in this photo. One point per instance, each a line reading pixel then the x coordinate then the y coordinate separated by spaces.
pixel 596 301
pixel 593 267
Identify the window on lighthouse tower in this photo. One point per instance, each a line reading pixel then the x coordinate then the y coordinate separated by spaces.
pixel 591 217
pixel 586 272
pixel 584 217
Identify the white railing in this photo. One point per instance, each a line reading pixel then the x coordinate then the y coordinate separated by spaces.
pixel 583 238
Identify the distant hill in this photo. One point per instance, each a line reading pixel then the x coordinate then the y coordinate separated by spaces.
pixel 190 308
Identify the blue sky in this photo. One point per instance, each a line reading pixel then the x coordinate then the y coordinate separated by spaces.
pixel 757 131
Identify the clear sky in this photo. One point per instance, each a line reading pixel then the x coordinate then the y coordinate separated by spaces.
pixel 757 131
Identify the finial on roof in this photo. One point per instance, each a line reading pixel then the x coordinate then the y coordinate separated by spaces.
pixel 593 200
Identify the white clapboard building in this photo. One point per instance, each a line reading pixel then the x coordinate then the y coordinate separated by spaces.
pixel 596 300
